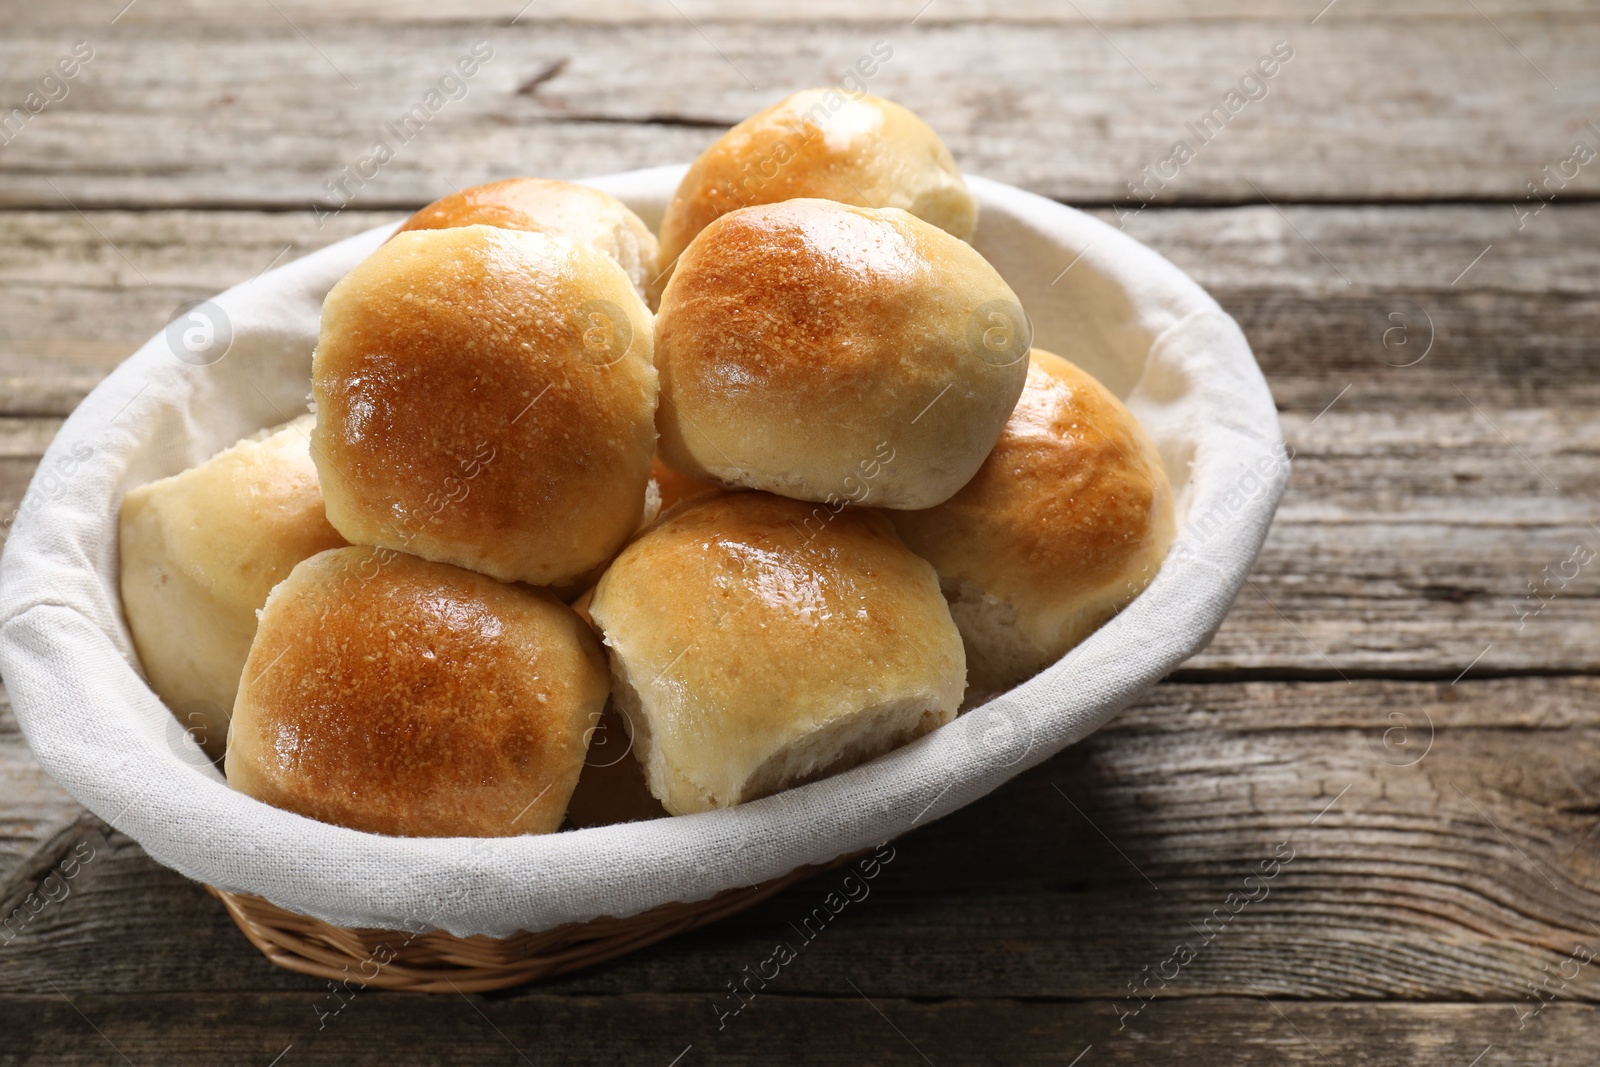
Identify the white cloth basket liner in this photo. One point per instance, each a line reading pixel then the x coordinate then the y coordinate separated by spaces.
pixel 1119 310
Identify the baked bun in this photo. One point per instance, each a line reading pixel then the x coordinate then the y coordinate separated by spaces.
pixel 486 397
pixel 1065 523
pixel 389 694
pixel 826 143
pixel 564 209
pixel 757 643
pixel 200 552
pixel 828 352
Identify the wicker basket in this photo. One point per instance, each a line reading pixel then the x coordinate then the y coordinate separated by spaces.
pixel 440 962
pixel 1131 317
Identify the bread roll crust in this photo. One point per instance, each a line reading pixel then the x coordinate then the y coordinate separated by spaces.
pixel 389 694
pixel 757 642
pixel 818 351
pixel 564 209
pixel 1066 522
pixel 486 397
pixel 200 551
pixel 831 144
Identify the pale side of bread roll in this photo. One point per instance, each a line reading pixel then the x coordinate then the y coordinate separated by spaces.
pixel 1066 522
pixel 757 643
pixel 389 694
pixel 200 551
pixel 565 209
pixel 826 143
pixel 486 397
pixel 827 352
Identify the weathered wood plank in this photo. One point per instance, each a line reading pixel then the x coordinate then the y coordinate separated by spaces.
pixel 1428 599
pixel 869 1029
pixel 83 292
pixel 1516 331
pixel 1440 839
pixel 39 822
pixel 1106 13
pixel 1409 307
pixel 219 112
pixel 1442 833
pixel 1332 251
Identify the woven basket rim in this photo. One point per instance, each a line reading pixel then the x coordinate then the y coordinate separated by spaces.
pixel 436 961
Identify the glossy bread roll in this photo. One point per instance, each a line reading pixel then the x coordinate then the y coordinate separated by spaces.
pixel 200 551
pixel 564 209
pixel 827 352
pixel 826 143
pixel 757 643
pixel 486 397
pixel 1066 522
pixel 389 694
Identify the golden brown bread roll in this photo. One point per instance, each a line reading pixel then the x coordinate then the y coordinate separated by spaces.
pixel 1065 523
pixel 486 397
pixel 389 694
pixel 829 144
pixel 565 209
pixel 758 642
pixel 200 551
pixel 571 592
pixel 828 352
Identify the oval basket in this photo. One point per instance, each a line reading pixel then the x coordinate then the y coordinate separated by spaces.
pixel 312 895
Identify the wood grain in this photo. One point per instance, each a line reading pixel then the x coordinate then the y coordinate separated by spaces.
pixel 69 14
pixel 39 822
pixel 1444 831
pixel 84 291
pixel 223 112
pixel 1438 851
pixel 868 1029
pixel 1515 332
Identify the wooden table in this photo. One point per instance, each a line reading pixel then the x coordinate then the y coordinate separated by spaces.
pixel 1384 702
